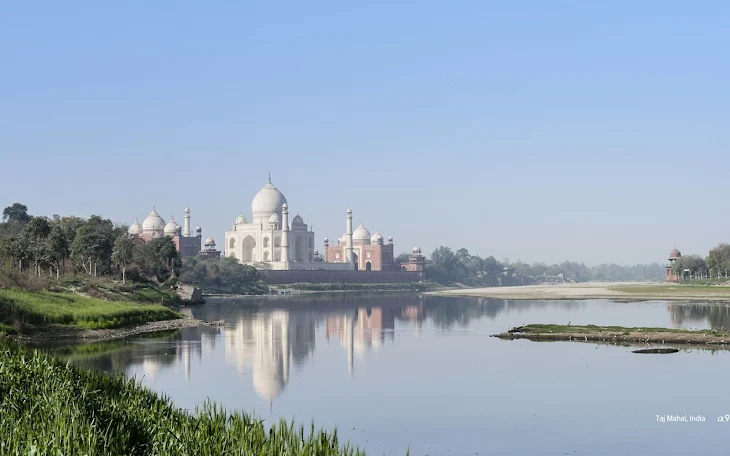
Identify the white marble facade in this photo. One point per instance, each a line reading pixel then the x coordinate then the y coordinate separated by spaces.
pixel 270 237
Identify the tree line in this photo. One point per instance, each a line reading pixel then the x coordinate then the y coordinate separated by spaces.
pixel 715 265
pixel 98 247
pixel 446 266
pixel 93 246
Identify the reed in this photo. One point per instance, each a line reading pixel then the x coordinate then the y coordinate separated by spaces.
pixel 48 407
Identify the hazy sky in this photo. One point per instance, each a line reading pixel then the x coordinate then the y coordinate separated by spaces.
pixel 540 131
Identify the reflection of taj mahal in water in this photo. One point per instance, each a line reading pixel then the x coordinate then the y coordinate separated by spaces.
pixel 268 343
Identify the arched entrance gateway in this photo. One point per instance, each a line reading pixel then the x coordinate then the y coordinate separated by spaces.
pixel 355 260
pixel 368 266
pixel 248 245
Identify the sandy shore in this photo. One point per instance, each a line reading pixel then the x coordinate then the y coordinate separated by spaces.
pixel 623 291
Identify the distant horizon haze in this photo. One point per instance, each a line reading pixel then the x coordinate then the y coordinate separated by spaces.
pixel 532 131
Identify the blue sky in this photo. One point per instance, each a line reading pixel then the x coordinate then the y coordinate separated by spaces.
pixel 540 131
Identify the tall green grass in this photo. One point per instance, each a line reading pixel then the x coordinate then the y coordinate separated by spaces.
pixel 42 308
pixel 48 407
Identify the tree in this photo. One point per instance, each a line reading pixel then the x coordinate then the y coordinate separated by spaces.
pixel 93 245
pixel 17 213
pixel 123 254
pixel 166 258
pixel 35 235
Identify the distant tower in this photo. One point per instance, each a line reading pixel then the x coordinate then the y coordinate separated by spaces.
pixel 186 229
pixel 285 233
pixel 348 237
pixel 674 255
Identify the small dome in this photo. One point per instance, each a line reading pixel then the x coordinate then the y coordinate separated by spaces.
pixel 135 228
pixel 674 254
pixel 210 241
pixel 326 240
pixel 390 238
pixel 171 228
pixel 377 238
pixel 361 234
pixel 417 250
pixel 153 222
pixel 297 220
pixel 268 199
pixel 274 218
pixel 241 220
pixel 198 229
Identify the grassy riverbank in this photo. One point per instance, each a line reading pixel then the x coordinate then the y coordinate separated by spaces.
pixel 617 334
pixel 49 407
pixel 26 310
pixel 613 291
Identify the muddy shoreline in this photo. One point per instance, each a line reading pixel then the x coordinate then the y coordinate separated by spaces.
pixel 64 333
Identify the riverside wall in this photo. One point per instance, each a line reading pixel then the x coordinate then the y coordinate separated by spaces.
pixel 287 277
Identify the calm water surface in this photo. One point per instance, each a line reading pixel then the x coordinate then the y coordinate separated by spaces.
pixel 399 371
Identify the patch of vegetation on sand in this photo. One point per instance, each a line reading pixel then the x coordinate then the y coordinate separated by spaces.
pixel 51 407
pixel 595 333
pixel 22 308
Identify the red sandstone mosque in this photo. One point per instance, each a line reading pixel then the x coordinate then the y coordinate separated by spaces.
pixel 187 244
pixel 368 253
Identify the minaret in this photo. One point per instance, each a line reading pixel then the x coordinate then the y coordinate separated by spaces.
pixel 284 233
pixel 186 228
pixel 348 237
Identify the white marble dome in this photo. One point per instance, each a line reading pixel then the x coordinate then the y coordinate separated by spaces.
pixel 297 220
pixel 209 241
pixel 135 228
pixel 416 250
pixel 241 220
pixel 377 238
pixel 274 218
pixel 269 199
pixel 361 234
pixel 171 228
pixel 153 222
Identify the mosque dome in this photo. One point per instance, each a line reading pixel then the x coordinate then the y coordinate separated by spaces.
pixel 274 218
pixel 241 220
pixel 209 241
pixel 153 222
pixel 135 228
pixel 297 220
pixel 361 234
pixel 171 228
pixel 674 254
pixel 268 199
pixel 377 238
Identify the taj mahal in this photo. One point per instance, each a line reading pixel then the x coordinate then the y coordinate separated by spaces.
pixel 270 241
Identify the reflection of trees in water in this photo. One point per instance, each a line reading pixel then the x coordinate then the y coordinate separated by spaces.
pixel 153 351
pixel 717 315
pixel 447 312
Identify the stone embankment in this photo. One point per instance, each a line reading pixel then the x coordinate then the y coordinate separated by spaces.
pixel 62 332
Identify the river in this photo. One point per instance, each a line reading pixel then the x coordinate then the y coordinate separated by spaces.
pixel 399 371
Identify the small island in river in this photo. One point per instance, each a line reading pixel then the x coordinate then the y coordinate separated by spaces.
pixel 617 334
